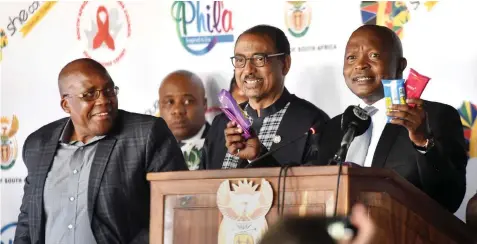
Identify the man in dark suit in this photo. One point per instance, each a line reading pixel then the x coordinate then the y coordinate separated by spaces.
pixel 261 61
pixel 424 144
pixel 182 104
pixel 86 178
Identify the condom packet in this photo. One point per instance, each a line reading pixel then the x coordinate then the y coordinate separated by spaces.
pixel 394 93
pixel 415 85
pixel 233 111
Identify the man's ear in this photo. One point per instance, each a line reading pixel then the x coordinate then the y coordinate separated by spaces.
pixel 286 64
pixel 401 66
pixel 205 104
pixel 65 105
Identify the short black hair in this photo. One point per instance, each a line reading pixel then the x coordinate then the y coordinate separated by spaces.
pixel 282 45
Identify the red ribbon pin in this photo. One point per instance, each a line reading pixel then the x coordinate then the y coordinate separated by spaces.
pixel 103 30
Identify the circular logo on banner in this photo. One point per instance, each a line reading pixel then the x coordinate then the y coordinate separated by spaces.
pixel 7 233
pixel 103 27
pixel 297 17
pixel 8 146
pixel 201 25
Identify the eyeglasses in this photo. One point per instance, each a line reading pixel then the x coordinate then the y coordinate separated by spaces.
pixel 93 95
pixel 258 60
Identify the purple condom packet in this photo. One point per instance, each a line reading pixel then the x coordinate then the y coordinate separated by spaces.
pixel 230 107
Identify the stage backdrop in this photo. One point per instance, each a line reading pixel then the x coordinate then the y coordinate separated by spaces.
pixel 149 39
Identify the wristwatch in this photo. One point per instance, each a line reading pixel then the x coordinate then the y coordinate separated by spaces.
pixel 429 144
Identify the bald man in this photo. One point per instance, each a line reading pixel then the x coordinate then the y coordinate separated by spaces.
pixel 86 178
pixel 424 144
pixel 182 104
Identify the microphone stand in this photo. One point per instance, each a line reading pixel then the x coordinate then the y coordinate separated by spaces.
pixel 339 158
pixel 253 164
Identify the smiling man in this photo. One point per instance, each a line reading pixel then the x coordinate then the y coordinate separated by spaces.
pixel 424 144
pixel 236 92
pixel 183 104
pixel 261 61
pixel 86 178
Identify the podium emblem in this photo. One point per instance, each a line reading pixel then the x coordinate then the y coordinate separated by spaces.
pixel 244 209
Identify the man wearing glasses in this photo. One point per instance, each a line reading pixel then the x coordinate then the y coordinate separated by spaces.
pixel 86 178
pixel 261 61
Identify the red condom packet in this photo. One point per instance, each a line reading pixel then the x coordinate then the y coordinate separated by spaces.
pixel 233 111
pixel 415 85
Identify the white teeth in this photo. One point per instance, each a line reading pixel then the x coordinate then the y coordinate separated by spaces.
pixel 102 114
pixel 251 81
pixel 363 78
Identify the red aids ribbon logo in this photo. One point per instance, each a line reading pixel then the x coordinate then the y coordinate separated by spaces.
pixel 103 35
pixel 103 27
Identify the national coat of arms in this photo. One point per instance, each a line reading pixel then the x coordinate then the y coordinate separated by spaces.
pixel 244 209
pixel 9 147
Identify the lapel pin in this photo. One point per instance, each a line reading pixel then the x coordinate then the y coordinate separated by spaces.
pixel 277 139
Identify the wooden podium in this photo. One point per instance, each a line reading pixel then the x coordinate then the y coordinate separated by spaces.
pixel 184 208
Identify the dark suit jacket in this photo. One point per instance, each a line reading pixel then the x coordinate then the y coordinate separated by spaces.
pixel 440 172
pixel 298 119
pixel 118 192
pixel 206 131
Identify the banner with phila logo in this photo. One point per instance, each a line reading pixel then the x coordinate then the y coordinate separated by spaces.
pixel 141 42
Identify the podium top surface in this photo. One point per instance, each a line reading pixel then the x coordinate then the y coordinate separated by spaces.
pixel 271 172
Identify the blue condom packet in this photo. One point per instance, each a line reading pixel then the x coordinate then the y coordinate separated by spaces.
pixel 394 93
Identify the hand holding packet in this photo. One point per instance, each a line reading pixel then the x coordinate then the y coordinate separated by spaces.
pixel 230 108
pixel 394 93
pixel 415 85
pixel 397 91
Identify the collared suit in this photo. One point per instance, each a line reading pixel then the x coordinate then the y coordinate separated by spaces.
pixel 439 172
pixel 295 122
pixel 118 201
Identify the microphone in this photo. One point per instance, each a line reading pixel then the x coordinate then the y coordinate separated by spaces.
pixel 256 162
pixel 354 122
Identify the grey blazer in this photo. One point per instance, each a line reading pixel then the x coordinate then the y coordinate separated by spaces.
pixel 118 192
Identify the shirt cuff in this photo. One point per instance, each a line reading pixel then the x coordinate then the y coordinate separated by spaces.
pixel 423 152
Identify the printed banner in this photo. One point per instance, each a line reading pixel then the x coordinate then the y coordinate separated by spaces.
pixel 140 42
